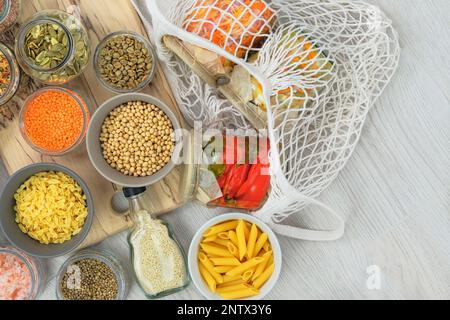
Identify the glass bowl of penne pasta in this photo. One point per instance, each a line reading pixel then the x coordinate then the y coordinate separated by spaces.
pixel 234 256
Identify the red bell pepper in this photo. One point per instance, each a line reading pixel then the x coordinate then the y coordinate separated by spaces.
pixel 222 179
pixel 256 186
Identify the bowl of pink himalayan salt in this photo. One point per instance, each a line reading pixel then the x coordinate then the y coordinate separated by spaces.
pixel 22 277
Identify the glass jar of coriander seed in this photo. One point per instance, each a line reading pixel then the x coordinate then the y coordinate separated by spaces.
pixel 92 274
pixel 53 47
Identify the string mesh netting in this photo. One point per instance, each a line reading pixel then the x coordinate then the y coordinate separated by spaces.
pixel 315 67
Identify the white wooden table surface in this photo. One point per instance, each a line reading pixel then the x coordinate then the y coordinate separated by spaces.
pixel 395 191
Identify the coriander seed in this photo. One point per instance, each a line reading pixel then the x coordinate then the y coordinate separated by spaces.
pixel 89 279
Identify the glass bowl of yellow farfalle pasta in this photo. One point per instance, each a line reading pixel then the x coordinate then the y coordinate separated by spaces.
pixel 46 210
pixel 234 256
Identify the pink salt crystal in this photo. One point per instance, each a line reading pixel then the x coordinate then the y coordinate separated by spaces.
pixel 15 278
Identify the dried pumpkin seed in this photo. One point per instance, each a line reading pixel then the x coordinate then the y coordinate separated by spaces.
pixel 62 49
pixel 42 40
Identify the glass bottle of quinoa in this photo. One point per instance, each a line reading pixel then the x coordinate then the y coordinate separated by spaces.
pixel 158 260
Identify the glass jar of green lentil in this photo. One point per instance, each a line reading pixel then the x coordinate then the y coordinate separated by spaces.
pixel 53 47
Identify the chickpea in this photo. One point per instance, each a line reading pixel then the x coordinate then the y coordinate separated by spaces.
pixel 137 139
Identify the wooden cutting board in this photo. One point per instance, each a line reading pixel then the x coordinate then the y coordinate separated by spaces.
pixel 100 18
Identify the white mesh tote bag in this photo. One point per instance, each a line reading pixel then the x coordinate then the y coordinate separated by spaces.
pixel 307 71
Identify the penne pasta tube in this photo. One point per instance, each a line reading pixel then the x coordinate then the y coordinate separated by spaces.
pixel 221 242
pixel 242 243
pixel 230 261
pixel 248 291
pixel 233 249
pixel 233 237
pixel 246 231
pixel 210 267
pixel 262 240
pixel 245 266
pixel 210 238
pixel 252 241
pixel 258 282
pixel 208 278
pixel 223 269
pixel 234 287
pixel 231 278
pixel 232 283
pixel 215 250
pixel 223 235
pixel 225 226
pixel 266 246
pixel 262 266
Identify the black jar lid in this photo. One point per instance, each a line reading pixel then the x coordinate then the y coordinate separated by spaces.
pixel 132 192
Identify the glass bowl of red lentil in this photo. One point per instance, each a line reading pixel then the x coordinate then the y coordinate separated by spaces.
pixel 105 279
pixel 9 74
pixel 22 277
pixel 148 72
pixel 54 121
pixel 9 13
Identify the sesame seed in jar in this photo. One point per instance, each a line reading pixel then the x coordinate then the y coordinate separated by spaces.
pixel 158 261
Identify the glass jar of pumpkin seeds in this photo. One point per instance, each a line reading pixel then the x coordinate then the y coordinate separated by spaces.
pixel 53 47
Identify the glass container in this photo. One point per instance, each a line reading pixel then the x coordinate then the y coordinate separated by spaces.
pixel 9 13
pixel 33 265
pixel 159 262
pixel 140 39
pixel 84 110
pixel 236 172
pixel 73 35
pixel 14 70
pixel 103 256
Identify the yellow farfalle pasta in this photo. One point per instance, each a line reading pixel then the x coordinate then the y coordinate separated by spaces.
pixel 238 261
pixel 50 207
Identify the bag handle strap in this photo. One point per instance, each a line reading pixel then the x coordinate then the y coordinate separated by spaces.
pixel 310 234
